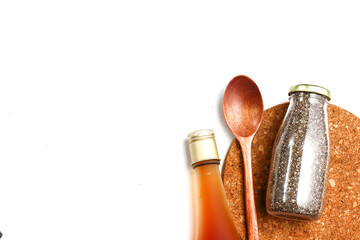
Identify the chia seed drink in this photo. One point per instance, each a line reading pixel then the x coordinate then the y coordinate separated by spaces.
pixel 300 158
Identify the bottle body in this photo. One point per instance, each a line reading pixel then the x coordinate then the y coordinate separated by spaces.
pixel 212 217
pixel 301 153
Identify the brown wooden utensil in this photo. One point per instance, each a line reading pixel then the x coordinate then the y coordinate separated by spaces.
pixel 243 110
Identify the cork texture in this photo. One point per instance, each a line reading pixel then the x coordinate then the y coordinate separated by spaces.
pixel 341 212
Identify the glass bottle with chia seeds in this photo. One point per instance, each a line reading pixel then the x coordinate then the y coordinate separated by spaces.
pixel 300 158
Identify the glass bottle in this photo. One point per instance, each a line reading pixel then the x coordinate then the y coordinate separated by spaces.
pixel 213 219
pixel 300 158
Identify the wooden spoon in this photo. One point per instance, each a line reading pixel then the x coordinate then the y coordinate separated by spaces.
pixel 243 110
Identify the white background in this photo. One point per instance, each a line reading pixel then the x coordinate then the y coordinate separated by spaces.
pixel 97 97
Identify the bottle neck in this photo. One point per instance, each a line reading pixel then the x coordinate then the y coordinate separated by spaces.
pixel 205 162
pixel 309 99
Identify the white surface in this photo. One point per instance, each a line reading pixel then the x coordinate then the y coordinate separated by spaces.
pixel 97 97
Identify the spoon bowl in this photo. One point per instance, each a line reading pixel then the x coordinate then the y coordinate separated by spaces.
pixel 243 111
pixel 243 106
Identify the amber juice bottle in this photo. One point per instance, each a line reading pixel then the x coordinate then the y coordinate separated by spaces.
pixel 212 218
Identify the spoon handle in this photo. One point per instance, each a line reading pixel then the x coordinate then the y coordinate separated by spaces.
pixel 251 219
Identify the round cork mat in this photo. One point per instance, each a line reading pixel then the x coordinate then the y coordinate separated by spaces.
pixel 340 218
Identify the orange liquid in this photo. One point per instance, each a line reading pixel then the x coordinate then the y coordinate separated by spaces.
pixel 213 220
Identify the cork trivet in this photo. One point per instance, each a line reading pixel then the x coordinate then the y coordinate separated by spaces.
pixel 341 212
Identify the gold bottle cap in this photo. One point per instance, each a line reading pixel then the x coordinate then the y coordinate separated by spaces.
pixel 310 88
pixel 202 146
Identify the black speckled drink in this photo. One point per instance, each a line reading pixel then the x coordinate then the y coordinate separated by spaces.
pixel 298 172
